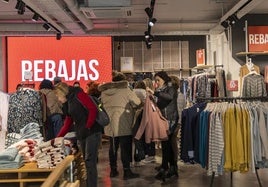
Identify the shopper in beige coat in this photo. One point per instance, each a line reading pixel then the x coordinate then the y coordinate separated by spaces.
pixel 120 103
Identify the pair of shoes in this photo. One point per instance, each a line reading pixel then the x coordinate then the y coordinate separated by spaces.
pixel 149 159
pixel 138 164
pixel 114 173
pixel 128 174
pixel 172 171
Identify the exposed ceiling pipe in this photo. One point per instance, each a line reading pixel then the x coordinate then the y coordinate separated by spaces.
pixel 43 15
pixel 73 6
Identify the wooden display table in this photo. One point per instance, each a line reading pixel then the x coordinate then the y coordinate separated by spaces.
pixel 27 174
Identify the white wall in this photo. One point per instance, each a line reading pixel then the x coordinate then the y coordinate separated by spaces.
pixel 218 44
pixel 1 64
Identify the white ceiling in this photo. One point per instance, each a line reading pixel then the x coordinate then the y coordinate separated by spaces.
pixel 124 17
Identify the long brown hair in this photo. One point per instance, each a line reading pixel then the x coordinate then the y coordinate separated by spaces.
pixel 92 88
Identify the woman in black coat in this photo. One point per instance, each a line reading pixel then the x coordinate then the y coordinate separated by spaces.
pixel 166 99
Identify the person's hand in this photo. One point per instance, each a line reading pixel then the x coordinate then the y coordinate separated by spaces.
pixel 149 91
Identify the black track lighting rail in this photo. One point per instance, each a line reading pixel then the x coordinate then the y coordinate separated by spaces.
pixel 21 5
pixel 151 21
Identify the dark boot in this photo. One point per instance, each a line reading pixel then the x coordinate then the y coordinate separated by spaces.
pixel 160 175
pixel 128 174
pixel 114 172
pixel 173 171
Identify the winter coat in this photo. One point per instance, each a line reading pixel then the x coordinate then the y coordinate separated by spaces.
pixel 152 123
pixel 120 103
pixel 166 98
pixel 80 112
pixel 52 103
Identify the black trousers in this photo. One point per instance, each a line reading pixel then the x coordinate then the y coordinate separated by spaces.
pixel 168 158
pixel 90 146
pixel 125 143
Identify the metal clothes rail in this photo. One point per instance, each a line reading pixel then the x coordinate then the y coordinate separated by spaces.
pixel 202 99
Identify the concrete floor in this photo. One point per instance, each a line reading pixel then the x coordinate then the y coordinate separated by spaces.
pixel 189 176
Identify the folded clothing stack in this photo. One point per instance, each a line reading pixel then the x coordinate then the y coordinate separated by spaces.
pixel 50 153
pixel 11 159
pixel 26 149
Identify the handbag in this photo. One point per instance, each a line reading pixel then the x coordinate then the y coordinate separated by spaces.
pixel 102 117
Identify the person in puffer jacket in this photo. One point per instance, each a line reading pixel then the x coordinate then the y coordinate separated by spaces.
pixel 120 103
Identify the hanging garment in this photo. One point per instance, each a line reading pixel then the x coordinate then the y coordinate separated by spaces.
pixel 253 86
pixel 24 107
pixel 153 123
pixel 4 98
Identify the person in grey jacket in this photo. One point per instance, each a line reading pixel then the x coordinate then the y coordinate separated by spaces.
pixel 166 99
pixel 120 103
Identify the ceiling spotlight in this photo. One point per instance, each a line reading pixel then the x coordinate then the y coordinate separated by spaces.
pixel 225 24
pixel 150 40
pixel 47 26
pixel 233 19
pixel 19 5
pixel 58 36
pixel 35 17
pixel 152 22
pixel 148 45
pixel 5 1
pixel 149 12
pixel 21 11
pixel 146 34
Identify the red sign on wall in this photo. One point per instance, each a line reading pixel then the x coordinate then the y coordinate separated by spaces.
pixel 82 59
pixel 200 57
pixel 257 38
pixel 232 85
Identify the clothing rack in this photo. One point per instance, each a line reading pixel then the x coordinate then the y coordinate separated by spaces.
pixel 200 99
pixel 233 99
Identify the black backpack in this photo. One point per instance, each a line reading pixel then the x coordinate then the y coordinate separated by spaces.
pixel 102 117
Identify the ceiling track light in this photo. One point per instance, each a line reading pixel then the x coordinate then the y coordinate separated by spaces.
pixel 230 21
pixel 19 5
pixel 149 12
pixel 233 19
pixel 58 36
pixel 146 34
pixel 148 45
pixel 35 17
pixel 21 11
pixel 47 26
pixel 152 22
